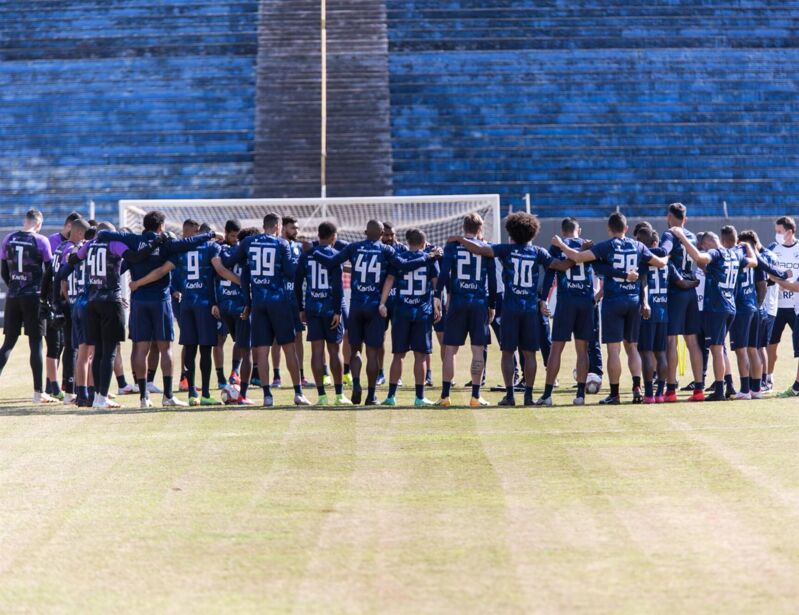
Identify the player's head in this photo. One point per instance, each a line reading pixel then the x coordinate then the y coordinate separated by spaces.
pixel 569 227
pixel 389 237
pixel 327 233
pixel 522 227
pixel 729 236
pixel 271 223
pixel 639 226
pixel 232 228
pixel 77 230
pixel 105 226
pixel 472 224
pixel 784 229
pixel 374 230
pixel 290 229
pixel 646 235
pixel 247 232
pixel 91 232
pixel 71 217
pixel 205 228
pixel 708 241
pixel 190 228
pixel 751 237
pixel 416 239
pixel 154 222
pixel 617 224
pixel 677 215
pixel 33 220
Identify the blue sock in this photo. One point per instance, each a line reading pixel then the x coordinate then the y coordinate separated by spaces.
pixel 356 383
pixel 476 391
pixel 419 391
pixel 754 385
pixel 392 389
pixel 581 389
pixel 445 387
pixel 648 388
pixel 298 389
pixel 508 391
pixel 744 384
pixel 267 390
pixel 370 393
pixel 320 389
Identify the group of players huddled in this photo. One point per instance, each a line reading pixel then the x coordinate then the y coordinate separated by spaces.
pixel 264 288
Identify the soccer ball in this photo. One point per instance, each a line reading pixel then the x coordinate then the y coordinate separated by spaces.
pixel 592 383
pixel 231 394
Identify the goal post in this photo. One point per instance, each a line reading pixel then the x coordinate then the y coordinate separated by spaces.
pixel 438 216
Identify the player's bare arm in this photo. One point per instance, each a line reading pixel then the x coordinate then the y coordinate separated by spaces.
pixel 153 276
pixel 387 286
pixel 700 258
pixel 224 272
pixel 572 254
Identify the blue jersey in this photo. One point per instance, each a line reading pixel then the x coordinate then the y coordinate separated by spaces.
pixel 60 256
pixel 194 274
pixel 678 255
pixel 76 281
pixel 575 284
pixel 657 284
pixel 267 260
pixel 103 269
pixel 25 255
pixel 295 250
pixel 399 248
pixel 324 289
pixel 625 255
pixel 721 280
pixel 745 290
pixel 414 289
pixel 229 297
pixel 468 278
pixel 520 269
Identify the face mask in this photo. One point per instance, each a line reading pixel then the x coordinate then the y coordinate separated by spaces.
pixel 779 238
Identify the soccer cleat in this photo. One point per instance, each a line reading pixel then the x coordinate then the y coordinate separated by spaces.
pixel 70 398
pixel 371 401
pixel 660 399
pixel 255 381
pixel 153 389
pixel 173 402
pixel 637 397
pixel 444 402
pixel 346 380
pixel 670 397
pixel 145 403
pixel 105 403
pixel 84 403
pixel 428 381
pixel 688 387
pixel 326 381
pixel 578 401
pixel 59 396
pixel 356 395
pixel 759 394
pixel 697 395
pixel 716 397
pixel 111 396
pixel 183 386
pixel 381 379
pixel 234 378
pixel 194 401
pixel 244 401
pixel 389 401
pixel 730 393
pixel 269 401
pixel 221 385
pixel 323 401
pixel 423 403
pixel 478 402
pixel 743 396
pixel 301 400
pixel 210 401
pixel 305 383
pixel 649 400
pixel 544 401
pixel 610 400
pixel 789 392
pixel 343 400
pixel 276 382
pixel 507 401
pixel 128 389
pixel 709 389
pixel 44 398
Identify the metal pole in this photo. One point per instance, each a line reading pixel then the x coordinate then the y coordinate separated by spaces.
pixel 528 207
pixel 323 173
pixel 91 209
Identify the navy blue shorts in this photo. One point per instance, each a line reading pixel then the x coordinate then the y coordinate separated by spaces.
pixel 785 316
pixel 575 317
pixel 319 329
pixel 365 326
pixel 470 319
pixel 684 315
pixel 151 321
pixel 79 324
pixel 741 330
pixel 197 326
pixel 520 330
pixel 652 336
pixel 411 335
pixel 270 324
pixel 237 328
pixel 765 323
pixel 621 321
pixel 715 326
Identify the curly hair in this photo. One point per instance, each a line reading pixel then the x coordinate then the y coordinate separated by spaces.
pixel 522 227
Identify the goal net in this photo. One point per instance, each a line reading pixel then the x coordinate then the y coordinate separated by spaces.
pixel 438 216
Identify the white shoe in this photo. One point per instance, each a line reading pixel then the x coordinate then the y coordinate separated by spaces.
pixel 104 403
pixel 578 401
pixel 111 395
pixel 145 403
pixel 269 401
pixel 173 402
pixel 740 395
pixel 544 401
pixel 70 398
pixel 44 398
pixel 128 389
pixel 134 388
pixel 759 394
pixel 152 389
pixel 301 400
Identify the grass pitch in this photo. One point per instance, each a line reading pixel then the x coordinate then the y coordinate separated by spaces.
pixel 662 508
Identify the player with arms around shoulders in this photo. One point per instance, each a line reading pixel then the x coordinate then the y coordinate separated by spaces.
pixel 621 305
pixel 412 317
pixel 27 272
pixel 321 308
pixel 786 253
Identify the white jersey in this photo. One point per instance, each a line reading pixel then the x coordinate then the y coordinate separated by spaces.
pixel 699 273
pixel 787 257
pixel 772 291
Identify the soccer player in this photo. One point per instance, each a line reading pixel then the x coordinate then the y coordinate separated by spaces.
pixel 471 283
pixel 684 317
pixel 267 263
pixel 620 313
pixel 199 312
pixel 786 252
pixel 151 317
pixel 721 270
pixel 27 272
pixel 321 308
pixel 390 239
pixel 768 299
pixel 370 259
pixel 412 318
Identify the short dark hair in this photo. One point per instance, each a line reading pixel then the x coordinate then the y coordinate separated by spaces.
pixel 728 230
pixel 415 237
pixel 288 220
pixel 34 215
pixel 232 226
pixel 750 237
pixel 522 227
pixel 326 230
pixel 247 232
pixel 271 219
pixel 678 210
pixel 617 222
pixel 645 234
pixel 567 225
pixel 191 222
pixel 472 223
pixel 787 222
pixel 105 226
pixel 72 216
pixel 640 225
pixel 91 232
pixel 388 226
pixel 205 228
pixel 153 220
pixel 80 223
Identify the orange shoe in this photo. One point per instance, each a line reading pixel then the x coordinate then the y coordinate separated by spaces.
pixel 184 385
pixel 697 395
